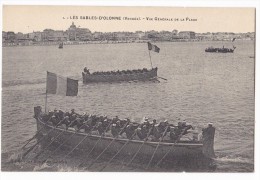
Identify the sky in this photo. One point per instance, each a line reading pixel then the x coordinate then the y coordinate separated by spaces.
pixel 25 18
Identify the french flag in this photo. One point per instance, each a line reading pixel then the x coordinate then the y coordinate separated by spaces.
pixel 153 47
pixel 61 85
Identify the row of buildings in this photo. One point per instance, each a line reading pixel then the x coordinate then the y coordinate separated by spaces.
pixel 74 33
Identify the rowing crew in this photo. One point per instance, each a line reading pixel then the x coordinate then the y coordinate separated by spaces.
pixel 86 71
pixel 117 127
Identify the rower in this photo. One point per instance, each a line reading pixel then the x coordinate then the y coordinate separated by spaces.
pixel 87 124
pixel 146 122
pixel 72 112
pixel 79 122
pixel 130 130
pixel 66 121
pixel 100 128
pixel 123 124
pixel 55 121
pixel 152 127
pixel 142 131
pixel 115 128
pixel 114 120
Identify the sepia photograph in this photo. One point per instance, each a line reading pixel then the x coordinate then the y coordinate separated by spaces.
pixel 128 89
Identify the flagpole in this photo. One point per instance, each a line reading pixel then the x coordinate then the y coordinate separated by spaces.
pixel 46 94
pixel 46 102
pixel 150 59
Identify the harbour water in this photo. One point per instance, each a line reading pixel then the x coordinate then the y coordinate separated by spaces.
pixel 200 88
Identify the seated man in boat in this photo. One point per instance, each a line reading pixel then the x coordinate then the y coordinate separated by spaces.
pixel 145 70
pixel 73 120
pixel 186 128
pixel 65 121
pixel 106 124
pixel 114 120
pixel 60 114
pixel 123 125
pixel 100 128
pixel 115 129
pixel 142 132
pixel 177 132
pixel 55 121
pixel 87 125
pixel 79 123
pixel 130 131
pixel 160 129
pixel 129 72
pixel 73 113
pixel 94 120
pixel 152 126
pixel 124 122
pixel 86 70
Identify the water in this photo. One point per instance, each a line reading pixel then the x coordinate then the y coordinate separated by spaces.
pixel 200 88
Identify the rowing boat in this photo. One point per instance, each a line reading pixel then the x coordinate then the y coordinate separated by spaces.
pixel 134 75
pixel 184 148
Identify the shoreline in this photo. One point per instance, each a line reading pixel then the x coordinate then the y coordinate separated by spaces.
pixel 56 43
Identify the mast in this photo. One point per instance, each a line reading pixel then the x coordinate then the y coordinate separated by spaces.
pixel 150 59
pixel 46 93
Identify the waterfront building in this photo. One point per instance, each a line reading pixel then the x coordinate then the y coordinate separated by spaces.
pixel 82 34
pixel 11 36
pixel 4 36
pixel 187 35
pixel 175 32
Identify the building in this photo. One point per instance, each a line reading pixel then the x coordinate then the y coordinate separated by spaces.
pixel 47 35
pixel 187 35
pixel 175 32
pixel 4 36
pixel 152 35
pixel 11 37
pixel 97 36
pixel 81 34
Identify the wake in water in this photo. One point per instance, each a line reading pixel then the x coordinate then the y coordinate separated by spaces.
pixel 227 159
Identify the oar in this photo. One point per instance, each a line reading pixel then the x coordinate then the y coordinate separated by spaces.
pixel 157 147
pixel 159 162
pixel 118 152
pixel 54 140
pixel 29 140
pixel 31 148
pixel 49 144
pixel 162 78
pixel 140 147
pixel 75 147
pixel 87 135
pixel 62 144
pixel 107 147
pixel 94 146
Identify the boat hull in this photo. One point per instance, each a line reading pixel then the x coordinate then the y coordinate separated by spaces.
pixel 114 145
pixel 219 50
pixel 137 76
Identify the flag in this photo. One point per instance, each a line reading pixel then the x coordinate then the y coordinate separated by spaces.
pixel 153 47
pixel 61 85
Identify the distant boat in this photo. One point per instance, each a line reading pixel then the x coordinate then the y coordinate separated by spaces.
pixel 119 76
pixel 61 45
pixel 220 50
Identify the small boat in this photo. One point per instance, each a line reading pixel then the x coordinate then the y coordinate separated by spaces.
pixel 220 50
pixel 119 76
pixel 61 45
pixel 71 138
